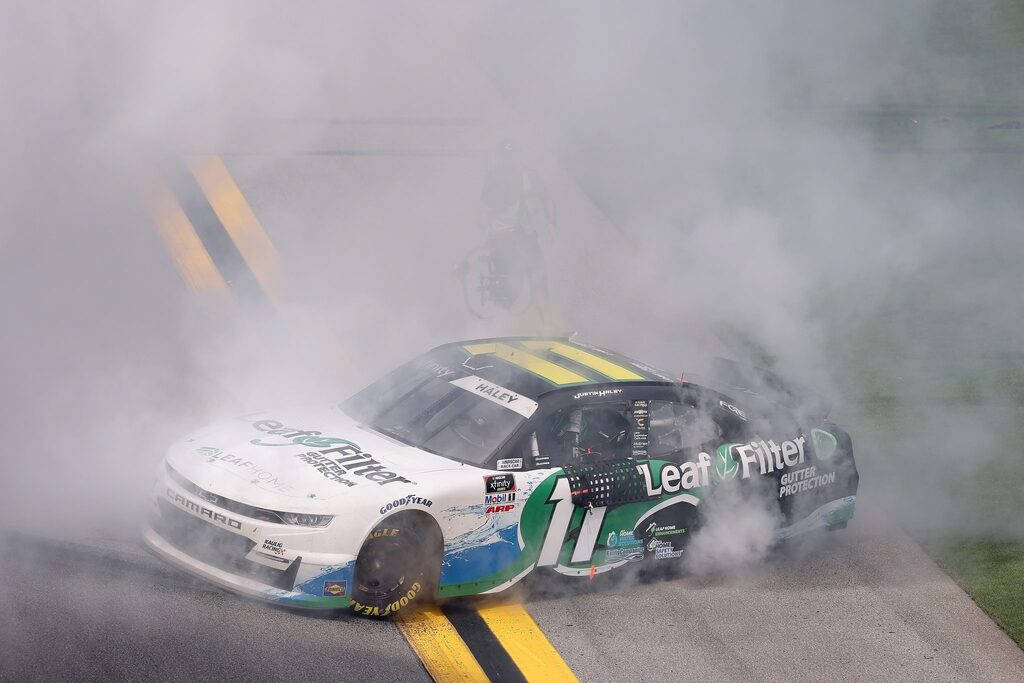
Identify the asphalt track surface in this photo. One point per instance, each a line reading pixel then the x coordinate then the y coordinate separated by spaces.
pixel 864 603
pixel 111 611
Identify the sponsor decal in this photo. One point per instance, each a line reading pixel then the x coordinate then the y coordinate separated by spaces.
pixel 373 611
pixel 824 444
pixel 441 371
pixel 725 466
pixel 804 480
pixel 497 394
pixel 733 409
pixel 731 460
pixel 499 508
pixel 244 467
pixel 275 547
pixel 384 533
pixel 198 509
pixel 335 589
pixel 510 464
pixel 291 436
pixel 659 540
pixel 770 457
pixel 630 554
pixel 653 530
pixel 402 502
pixel 599 393
pixel 499 483
pixel 641 421
pixel 349 459
pixel 664 551
pixel 496 498
pixel 622 539
pixel 327 467
pixel 675 477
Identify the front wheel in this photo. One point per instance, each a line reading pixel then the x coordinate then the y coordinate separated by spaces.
pixel 392 569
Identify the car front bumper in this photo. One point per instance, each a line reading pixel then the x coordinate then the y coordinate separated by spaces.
pixel 272 562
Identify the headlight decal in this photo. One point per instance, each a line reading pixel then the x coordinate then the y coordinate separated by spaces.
pixel 261 514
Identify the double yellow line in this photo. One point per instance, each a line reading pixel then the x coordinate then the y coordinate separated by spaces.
pixel 488 642
pixel 209 229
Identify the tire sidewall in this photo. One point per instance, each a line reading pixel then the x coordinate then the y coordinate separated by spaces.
pixel 397 545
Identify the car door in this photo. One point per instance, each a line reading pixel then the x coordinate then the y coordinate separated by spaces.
pixel 639 499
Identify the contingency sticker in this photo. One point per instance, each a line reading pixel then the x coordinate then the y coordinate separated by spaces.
pixel 497 394
pixel 335 588
pixel 641 425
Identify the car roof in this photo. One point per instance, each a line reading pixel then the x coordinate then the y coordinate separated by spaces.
pixel 536 366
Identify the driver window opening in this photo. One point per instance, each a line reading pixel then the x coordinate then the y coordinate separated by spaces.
pixel 578 435
pixel 678 426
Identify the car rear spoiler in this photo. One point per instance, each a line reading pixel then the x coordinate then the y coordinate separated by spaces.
pixel 752 385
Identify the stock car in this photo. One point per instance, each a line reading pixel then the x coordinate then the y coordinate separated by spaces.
pixel 481 461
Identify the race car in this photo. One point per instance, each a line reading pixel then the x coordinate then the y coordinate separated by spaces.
pixel 482 461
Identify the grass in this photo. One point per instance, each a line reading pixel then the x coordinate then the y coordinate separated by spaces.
pixel 991 572
pixel 978 554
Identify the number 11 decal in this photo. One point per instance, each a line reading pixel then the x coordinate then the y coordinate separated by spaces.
pixel 558 528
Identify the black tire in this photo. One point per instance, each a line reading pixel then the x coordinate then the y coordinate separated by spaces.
pixel 395 566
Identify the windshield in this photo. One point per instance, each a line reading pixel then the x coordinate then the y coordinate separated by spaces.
pixel 427 404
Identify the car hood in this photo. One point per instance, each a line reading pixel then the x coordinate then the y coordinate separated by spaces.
pixel 315 460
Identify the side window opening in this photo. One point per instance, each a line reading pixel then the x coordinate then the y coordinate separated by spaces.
pixel 580 434
pixel 638 429
pixel 677 426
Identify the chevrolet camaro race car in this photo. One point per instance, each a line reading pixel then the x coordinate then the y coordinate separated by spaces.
pixel 479 462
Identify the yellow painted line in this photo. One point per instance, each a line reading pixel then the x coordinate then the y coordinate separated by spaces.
pixel 438 645
pixel 592 361
pixel 525 643
pixel 553 373
pixel 238 219
pixel 190 257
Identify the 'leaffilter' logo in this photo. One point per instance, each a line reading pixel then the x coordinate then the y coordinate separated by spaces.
pixel 725 467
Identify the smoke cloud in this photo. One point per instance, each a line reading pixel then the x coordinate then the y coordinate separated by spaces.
pixel 817 188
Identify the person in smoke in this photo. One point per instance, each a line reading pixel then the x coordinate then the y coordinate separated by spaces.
pixel 514 208
pixel 513 196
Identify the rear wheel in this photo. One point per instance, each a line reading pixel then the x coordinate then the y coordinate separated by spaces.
pixel 394 567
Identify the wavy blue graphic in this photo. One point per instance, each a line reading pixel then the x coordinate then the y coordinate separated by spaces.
pixel 470 564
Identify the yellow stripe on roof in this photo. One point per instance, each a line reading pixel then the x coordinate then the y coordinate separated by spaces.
pixel 552 372
pixel 592 361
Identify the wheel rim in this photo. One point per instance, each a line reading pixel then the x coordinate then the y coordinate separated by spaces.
pixel 381 572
